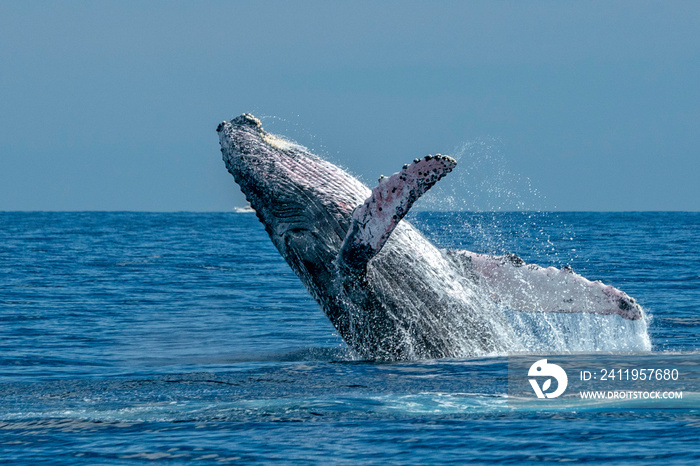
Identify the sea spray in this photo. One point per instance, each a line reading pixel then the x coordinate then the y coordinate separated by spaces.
pixel 487 207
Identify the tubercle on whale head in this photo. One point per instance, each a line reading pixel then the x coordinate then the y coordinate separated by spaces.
pixel 245 119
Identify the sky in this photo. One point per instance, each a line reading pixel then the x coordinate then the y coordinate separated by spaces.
pixel 113 105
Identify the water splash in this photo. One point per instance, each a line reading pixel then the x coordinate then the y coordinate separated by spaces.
pixel 581 332
pixel 496 211
pixel 485 183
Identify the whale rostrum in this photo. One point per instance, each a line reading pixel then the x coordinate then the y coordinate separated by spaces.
pixel 388 291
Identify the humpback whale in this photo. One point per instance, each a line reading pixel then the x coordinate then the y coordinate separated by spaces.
pixel 388 291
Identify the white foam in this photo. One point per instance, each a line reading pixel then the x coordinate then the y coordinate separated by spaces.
pixel 564 332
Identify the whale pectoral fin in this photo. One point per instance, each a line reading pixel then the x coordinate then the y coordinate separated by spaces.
pixel 527 287
pixel 391 199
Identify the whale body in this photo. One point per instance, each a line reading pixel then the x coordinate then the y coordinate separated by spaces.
pixel 389 292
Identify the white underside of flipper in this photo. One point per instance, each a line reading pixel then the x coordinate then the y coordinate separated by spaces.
pixel 527 287
pixel 375 220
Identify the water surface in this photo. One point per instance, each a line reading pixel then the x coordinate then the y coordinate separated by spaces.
pixel 134 337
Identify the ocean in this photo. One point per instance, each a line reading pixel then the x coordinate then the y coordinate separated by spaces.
pixel 182 338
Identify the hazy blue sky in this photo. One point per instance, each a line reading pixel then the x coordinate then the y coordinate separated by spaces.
pixel 114 105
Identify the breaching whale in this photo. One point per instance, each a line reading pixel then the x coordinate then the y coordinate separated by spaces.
pixel 389 292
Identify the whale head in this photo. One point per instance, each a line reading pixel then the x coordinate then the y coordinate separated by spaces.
pixel 304 202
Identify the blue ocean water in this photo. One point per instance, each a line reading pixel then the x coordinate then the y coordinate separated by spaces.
pixel 182 337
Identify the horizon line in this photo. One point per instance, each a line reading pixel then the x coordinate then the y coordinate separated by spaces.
pixel 416 211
